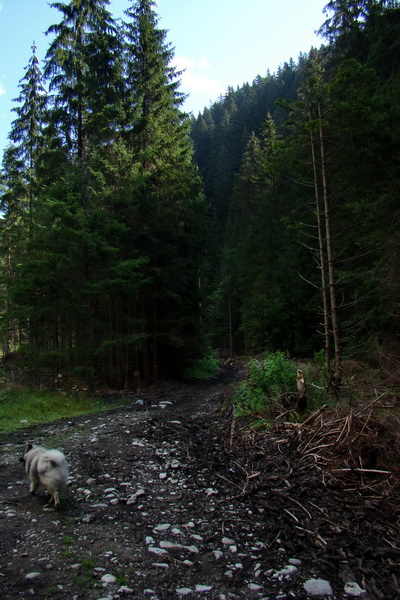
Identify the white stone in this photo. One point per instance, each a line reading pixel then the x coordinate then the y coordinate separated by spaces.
pixel 203 588
pixel 318 587
pixel 193 549
pixel 108 578
pixel 162 527
pixel 254 587
pixel 31 576
pixel 125 591
pixel 158 551
pixel 169 545
pixel 132 499
pixel 183 591
pixel 287 571
pixel 228 542
pixel 149 539
pixel 353 589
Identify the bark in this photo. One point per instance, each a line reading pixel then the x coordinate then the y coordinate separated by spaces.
pixel 321 243
pixel 336 372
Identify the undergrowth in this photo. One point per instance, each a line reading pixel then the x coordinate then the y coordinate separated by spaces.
pixel 272 379
pixel 202 368
pixel 21 406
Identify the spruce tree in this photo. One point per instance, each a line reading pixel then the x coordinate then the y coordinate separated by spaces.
pixel 167 212
pixel 83 51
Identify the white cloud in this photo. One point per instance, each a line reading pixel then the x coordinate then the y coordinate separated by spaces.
pixel 193 77
pixel 204 63
pixel 2 89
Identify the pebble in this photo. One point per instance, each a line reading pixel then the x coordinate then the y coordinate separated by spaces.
pixel 318 587
pixel 353 589
pixel 287 571
pixel 107 579
pixel 183 591
pixel 162 527
pixel 254 587
pixel 158 551
pixel 203 588
pixel 31 576
pixel 132 499
pixel 228 542
pixel 125 591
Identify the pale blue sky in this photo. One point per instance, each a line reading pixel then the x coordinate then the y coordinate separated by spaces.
pixel 220 43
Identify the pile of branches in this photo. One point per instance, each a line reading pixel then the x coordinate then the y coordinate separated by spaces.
pixel 354 449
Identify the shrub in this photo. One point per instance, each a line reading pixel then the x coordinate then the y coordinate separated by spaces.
pixel 269 378
pixel 202 368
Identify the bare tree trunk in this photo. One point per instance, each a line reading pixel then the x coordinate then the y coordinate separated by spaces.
pixel 336 377
pixel 321 243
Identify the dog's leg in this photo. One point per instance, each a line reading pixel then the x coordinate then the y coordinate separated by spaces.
pixel 34 486
pixel 56 499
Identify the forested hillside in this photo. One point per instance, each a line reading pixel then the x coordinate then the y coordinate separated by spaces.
pixel 135 239
pixel 301 169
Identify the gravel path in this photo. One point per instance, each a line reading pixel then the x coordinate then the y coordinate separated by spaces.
pixel 154 510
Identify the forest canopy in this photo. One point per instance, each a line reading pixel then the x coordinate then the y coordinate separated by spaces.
pixel 135 238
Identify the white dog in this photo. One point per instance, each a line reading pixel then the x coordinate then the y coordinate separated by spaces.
pixel 46 467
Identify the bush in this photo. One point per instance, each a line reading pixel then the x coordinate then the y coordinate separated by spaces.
pixel 202 368
pixel 269 378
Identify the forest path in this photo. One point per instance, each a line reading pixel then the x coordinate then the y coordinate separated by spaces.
pixel 159 507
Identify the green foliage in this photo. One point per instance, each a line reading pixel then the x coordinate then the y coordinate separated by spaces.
pixel 102 263
pixel 269 378
pixel 106 237
pixel 202 368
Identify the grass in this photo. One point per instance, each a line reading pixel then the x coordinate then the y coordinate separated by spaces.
pixel 22 407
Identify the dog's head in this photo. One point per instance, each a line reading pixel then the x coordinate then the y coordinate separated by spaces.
pixel 28 447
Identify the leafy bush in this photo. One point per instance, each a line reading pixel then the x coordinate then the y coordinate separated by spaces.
pixel 269 378
pixel 202 368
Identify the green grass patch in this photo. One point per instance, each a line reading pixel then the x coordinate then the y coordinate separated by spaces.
pixel 22 407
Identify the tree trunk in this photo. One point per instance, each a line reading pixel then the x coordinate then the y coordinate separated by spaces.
pixel 336 372
pixel 321 243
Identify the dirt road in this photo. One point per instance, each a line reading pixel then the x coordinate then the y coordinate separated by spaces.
pixel 162 506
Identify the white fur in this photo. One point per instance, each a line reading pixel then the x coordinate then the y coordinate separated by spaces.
pixel 48 468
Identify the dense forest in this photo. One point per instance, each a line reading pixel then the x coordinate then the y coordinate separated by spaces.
pixel 136 238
